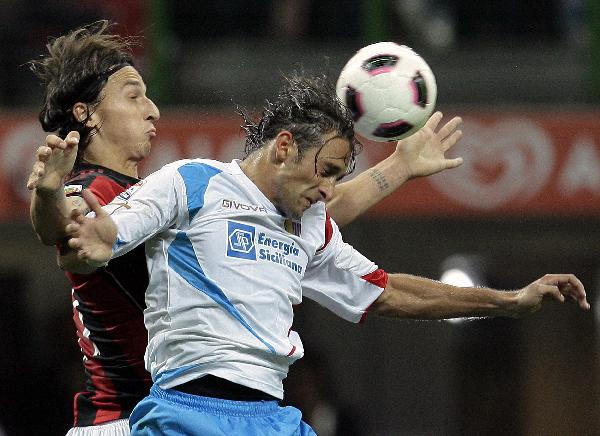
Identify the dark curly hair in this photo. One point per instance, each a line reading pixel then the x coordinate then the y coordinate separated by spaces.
pixel 76 69
pixel 308 107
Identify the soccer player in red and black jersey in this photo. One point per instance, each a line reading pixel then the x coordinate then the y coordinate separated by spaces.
pixel 107 307
pixel 103 124
pixel 96 100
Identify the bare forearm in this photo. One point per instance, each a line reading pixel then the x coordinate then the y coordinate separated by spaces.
pixel 49 213
pixel 355 197
pixel 414 297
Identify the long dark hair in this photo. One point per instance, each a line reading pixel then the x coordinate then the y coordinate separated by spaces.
pixel 308 107
pixel 76 69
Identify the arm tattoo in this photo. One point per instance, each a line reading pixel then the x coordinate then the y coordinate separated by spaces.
pixel 379 179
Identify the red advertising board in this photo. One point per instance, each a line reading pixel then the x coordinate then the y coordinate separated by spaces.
pixel 516 163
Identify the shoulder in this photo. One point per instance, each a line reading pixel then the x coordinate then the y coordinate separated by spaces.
pixel 187 178
pixel 317 225
pixel 105 184
pixel 194 166
pixel 87 174
pixel 194 173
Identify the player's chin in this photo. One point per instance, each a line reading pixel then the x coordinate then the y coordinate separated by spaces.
pixel 144 149
pixel 296 213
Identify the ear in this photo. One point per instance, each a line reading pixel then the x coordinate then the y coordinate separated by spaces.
pixel 284 145
pixel 81 113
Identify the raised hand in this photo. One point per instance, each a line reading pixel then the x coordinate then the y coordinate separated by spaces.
pixel 54 161
pixel 557 286
pixel 424 151
pixel 92 237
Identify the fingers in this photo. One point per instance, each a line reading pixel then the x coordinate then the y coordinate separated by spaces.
pixel 573 288
pixel 562 280
pixel 450 127
pixel 77 245
pixel 43 153
pixel 434 120
pixel 451 140
pixel 552 291
pixel 77 216
pixel 453 163
pixel 37 172
pixel 449 134
pixel 54 147
pixel 70 141
pixel 39 166
pixel 72 229
pixel 93 203
pixel 31 183
pixel 576 295
pixel 73 136
pixel 569 285
pixel 53 141
pixel 449 143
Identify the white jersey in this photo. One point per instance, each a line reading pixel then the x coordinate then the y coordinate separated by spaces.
pixel 225 270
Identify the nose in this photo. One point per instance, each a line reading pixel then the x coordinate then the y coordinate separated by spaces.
pixel 326 188
pixel 153 112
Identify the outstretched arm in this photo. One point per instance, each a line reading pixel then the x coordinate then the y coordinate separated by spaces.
pixel 421 154
pixel 412 297
pixel 50 208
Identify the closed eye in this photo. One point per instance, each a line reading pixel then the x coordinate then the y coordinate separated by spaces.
pixel 134 88
pixel 332 171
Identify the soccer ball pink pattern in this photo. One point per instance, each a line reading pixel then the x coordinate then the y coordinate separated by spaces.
pixel 390 90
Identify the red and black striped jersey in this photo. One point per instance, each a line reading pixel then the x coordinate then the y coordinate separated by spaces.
pixel 108 313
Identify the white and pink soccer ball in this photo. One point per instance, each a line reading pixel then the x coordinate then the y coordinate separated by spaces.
pixel 390 90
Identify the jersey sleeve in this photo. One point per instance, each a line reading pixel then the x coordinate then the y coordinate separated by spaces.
pixel 341 279
pixel 145 209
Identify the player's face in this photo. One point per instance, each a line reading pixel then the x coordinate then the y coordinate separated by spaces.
pixel 302 183
pixel 125 116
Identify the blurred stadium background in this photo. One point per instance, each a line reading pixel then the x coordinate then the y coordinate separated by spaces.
pixel 526 78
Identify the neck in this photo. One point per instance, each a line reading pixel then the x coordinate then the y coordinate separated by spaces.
pixel 112 161
pixel 127 168
pixel 257 168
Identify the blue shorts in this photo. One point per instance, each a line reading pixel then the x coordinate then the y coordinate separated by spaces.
pixel 170 412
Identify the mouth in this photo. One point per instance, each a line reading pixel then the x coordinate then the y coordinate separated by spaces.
pixel 151 132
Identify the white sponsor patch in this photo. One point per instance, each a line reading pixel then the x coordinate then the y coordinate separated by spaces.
pixel 72 189
pixel 126 195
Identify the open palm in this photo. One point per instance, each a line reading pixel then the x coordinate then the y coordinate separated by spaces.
pixel 54 161
pixel 424 151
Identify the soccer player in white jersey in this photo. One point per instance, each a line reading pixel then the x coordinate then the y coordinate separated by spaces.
pixel 231 247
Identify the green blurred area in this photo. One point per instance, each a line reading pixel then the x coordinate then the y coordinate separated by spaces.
pixel 593 49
